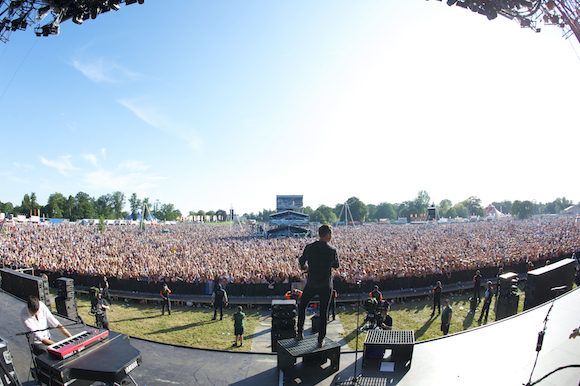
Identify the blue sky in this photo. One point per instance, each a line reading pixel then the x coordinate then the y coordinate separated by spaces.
pixel 209 105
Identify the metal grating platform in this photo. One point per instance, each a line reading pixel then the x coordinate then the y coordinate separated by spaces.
pixel 308 345
pixel 390 337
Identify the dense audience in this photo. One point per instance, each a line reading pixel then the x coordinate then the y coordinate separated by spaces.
pixel 200 253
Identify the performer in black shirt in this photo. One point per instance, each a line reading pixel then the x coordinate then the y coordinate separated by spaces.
pixel 320 257
pixel 166 303
pixel 219 300
pixel 101 312
pixel 437 298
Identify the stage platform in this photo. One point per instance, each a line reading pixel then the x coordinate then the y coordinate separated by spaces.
pixel 500 353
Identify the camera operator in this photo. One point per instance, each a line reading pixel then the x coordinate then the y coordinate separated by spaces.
pixel 101 308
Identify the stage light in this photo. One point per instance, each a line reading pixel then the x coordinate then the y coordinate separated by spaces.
pixel 42 12
pixel 78 19
pixel 114 5
pixel 15 4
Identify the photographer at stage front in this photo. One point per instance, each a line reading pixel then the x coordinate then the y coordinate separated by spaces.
pixel 321 258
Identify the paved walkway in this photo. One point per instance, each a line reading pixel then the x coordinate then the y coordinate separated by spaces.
pixel 262 340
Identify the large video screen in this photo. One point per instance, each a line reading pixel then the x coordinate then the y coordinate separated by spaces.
pixel 288 202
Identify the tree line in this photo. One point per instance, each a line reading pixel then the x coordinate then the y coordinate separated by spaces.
pixel 111 206
pixel 418 206
pixel 82 205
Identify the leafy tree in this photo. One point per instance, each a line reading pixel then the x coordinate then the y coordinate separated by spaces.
pixel 461 210
pixel 84 206
pixel 104 206
pixel 444 207
pixel 403 210
pixel 308 210
pixel 134 204
pixel 33 201
pixel 473 205
pixel 56 205
pixel 522 209
pixel 357 208
pixel 324 214
pixel 118 203
pixel 7 207
pixel 386 210
pixel 420 204
pixel 451 213
pixel 26 206
pixel 372 216
pixel 223 214
pixel 70 205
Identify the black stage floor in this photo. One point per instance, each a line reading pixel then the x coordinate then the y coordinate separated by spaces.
pixel 500 354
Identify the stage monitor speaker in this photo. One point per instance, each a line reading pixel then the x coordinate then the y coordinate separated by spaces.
pixel 541 281
pixel 23 285
pixel 283 321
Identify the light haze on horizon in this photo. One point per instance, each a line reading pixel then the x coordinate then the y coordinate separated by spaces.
pixel 209 105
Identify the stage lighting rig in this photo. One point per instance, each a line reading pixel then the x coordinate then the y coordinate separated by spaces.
pixel 20 14
pixel 530 13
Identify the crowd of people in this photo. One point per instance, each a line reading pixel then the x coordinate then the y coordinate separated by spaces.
pixel 201 253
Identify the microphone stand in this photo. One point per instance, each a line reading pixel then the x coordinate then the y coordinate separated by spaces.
pixel 356 378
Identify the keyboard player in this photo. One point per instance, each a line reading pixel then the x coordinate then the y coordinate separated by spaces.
pixel 38 318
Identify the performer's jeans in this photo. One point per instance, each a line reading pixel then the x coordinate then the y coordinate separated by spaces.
pixel 324 294
pixel 215 309
pixel 166 304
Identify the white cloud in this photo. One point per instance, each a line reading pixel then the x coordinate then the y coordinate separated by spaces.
pixel 19 165
pixel 104 153
pixel 104 71
pixel 91 158
pixel 62 164
pixel 149 113
pixel 134 166
pixel 106 180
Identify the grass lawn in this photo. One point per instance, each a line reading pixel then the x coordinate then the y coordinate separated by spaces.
pixel 416 315
pixel 192 326
pixel 189 326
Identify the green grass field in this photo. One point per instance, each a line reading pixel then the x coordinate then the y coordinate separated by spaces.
pixel 189 326
pixel 416 315
pixel 192 326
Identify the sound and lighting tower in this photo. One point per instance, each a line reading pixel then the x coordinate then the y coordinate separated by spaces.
pixel 46 15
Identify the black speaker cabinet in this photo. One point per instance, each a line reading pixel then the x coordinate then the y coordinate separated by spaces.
pixel 65 287
pixel 283 321
pixel 23 285
pixel 66 307
pixel 542 281
pixel 506 306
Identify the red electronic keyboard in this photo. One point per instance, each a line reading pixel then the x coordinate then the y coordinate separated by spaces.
pixel 77 343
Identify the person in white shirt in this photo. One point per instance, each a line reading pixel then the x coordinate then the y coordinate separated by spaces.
pixel 37 318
